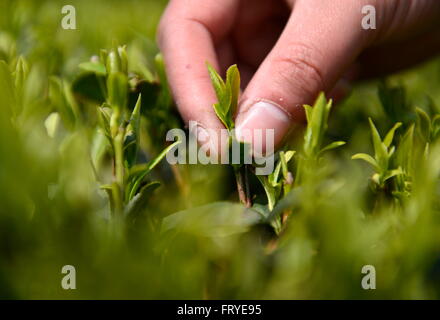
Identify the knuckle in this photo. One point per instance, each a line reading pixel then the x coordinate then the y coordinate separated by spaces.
pixel 299 67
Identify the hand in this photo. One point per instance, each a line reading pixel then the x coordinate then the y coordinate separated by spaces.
pixel 287 51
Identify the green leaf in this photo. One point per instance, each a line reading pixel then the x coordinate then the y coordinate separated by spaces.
pixel 435 131
pixel 153 163
pixel 219 112
pixel 224 94
pixel 99 147
pixel 52 123
pixel 131 143
pixel 392 173
pixel 106 187
pixel 8 90
pixel 424 124
pixel 139 203
pixel 405 151
pixel 103 56
pixel 134 184
pixel 112 190
pixel 117 85
pixel 122 52
pixel 271 191
pixel 59 101
pixel 332 146
pixel 309 112
pixel 292 199
pixel 114 63
pixel 217 82
pixel 273 177
pixel 380 150
pixel 20 74
pixel 233 84
pixel 138 173
pixel 316 126
pixel 219 219
pixel 391 151
pixel 104 122
pixel 94 67
pixel 288 155
pixel 390 135
pixel 367 158
pixel 285 158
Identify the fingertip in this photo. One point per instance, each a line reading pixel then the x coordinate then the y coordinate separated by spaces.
pixel 263 119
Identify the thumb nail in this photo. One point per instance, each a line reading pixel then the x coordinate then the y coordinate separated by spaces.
pixel 264 116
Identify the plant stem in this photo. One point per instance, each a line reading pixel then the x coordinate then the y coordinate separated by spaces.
pixel 241 176
pixel 119 168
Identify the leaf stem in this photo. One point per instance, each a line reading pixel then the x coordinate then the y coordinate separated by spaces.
pixel 119 168
pixel 241 176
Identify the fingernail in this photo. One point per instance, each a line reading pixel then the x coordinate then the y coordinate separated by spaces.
pixel 264 116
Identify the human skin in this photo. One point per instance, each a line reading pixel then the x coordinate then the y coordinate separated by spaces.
pixel 287 51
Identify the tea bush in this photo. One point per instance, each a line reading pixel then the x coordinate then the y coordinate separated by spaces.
pixel 84 114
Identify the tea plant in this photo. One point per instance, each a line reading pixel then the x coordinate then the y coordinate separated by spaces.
pixel 120 125
pixel 429 128
pixel 228 93
pixel 76 141
pixel 391 164
pixel 280 182
pixel 383 151
pixel 313 150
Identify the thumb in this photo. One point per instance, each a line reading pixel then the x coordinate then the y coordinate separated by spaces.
pixel 321 39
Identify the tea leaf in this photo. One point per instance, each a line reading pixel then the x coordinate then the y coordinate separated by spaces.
pixel 332 146
pixel 425 124
pixel 380 150
pixel 117 90
pixel 217 82
pixel 219 219
pixel 390 136
pixel 94 67
pixel 139 203
pixel 233 84
pixel 317 125
pixel 131 143
pixel 367 158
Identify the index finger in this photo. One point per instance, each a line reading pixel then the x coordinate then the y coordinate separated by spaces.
pixel 188 34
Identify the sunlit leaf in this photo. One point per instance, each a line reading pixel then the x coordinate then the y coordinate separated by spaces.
pixel 367 158
pixel 94 67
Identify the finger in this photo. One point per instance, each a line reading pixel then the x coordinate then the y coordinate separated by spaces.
pixel 321 39
pixel 187 36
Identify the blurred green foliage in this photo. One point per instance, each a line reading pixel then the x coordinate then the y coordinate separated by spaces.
pixel 190 238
